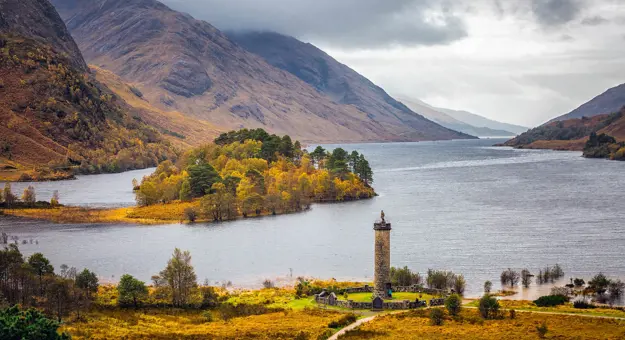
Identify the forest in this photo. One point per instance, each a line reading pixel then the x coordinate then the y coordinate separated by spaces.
pixel 250 172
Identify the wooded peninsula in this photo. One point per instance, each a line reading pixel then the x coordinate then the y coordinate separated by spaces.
pixel 243 173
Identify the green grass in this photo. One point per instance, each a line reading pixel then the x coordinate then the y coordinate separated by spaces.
pixel 367 297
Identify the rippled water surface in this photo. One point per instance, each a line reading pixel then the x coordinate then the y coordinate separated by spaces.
pixel 459 205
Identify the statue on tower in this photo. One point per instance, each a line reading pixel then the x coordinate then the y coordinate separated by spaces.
pixel 382 216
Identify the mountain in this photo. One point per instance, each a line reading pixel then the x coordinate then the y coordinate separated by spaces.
pixel 446 120
pixel 186 65
pixel 479 121
pixel 54 116
pixel 572 134
pixel 609 101
pixel 339 82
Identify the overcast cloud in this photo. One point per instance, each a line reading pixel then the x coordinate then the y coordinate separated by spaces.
pixel 518 61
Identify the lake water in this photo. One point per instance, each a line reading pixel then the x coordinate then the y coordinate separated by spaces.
pixel 458 205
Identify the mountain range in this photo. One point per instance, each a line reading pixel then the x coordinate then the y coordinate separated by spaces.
pixel 463 121
pixel 186 65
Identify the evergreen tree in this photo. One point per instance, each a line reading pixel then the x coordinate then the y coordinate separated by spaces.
pixel 131 291
pixel 202 176
pixel 16 324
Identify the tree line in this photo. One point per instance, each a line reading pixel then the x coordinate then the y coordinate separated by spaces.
pixel 28 199
pixel 250 172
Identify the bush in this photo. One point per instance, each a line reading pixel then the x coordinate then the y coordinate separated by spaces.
pixel 268 284
pixel 453 304
pixel 581 304
pixel 489 307
pixel 343 321
pixel 542 330
pixel 437 316
pixel 28 324
pixel 190 214
pixel 551 300
pixel 208 316
pixel 487 287
pixel 512 314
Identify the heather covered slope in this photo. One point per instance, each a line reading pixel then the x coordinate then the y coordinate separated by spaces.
pixel 39 20
pixel 55 118
pixel 186 65
pixel 571 134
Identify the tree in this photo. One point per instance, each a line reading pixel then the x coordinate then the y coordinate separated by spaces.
pixel 599 283
pixel 453 303
pixel 185 191
pixel 488 286
pixel 148 194
pixel 318 155
pixel 459 284
pixel 88 282
pixel 353 160
pixel 16 324
pixel 41 266
pixel 180 276
pixel 489 307
pixel 8 196
pixel 363 170
pixel 404 277
pixel 131 291
pixel 337 163
pixel 202 176
pixel 526 278
pixel 29 197
pixel 54 201
pixel 510 277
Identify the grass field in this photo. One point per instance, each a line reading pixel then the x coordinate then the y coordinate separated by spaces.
pixel 469 325
pixel 181 324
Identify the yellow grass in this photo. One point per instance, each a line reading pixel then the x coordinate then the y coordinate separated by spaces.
pixel 416 325
pixel 567 308
pixel 179 324
pixel 154 214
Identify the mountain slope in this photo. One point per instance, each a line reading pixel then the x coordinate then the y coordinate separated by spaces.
pixel 37 19
pixel 610 101
pixel 479 121
pixel 54 117
pixel 450 122
pixel 339 82
pixel 571 134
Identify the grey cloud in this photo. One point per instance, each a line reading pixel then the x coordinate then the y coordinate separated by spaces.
pixel 556 12
pixel 359 24
pixel 594 20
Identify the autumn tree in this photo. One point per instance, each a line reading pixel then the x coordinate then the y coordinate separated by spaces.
pixel 7 195
pixel 180 277
pixel 29 197
pixel 54 201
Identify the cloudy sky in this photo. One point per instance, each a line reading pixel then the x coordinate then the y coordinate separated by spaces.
pixel 518 61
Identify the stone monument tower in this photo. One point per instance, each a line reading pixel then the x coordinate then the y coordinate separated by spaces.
pixel 382 274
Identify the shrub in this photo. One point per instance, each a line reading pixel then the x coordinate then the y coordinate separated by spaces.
pixel 551 300
pixel 581 304
pixel 542 330
pixel 208 316
pixel 268 284
pixel 489 307
pixel 579 282
pixel 437 316
pixel 453 304
pixel 343 321
pixel 459 284
pixel 28 324
pixel 190 214
pixel 512 314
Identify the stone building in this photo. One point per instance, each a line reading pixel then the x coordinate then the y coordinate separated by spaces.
pixel 382 271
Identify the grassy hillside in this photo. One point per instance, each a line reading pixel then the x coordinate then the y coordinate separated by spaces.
pixel 571 134
pixel 55 119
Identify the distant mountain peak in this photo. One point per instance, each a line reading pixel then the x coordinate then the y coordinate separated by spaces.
pixel 607 102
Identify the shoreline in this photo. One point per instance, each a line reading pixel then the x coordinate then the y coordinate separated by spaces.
pixel 159 214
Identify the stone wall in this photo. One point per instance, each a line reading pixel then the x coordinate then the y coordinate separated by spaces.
pixel 400 289
pixel 392 305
